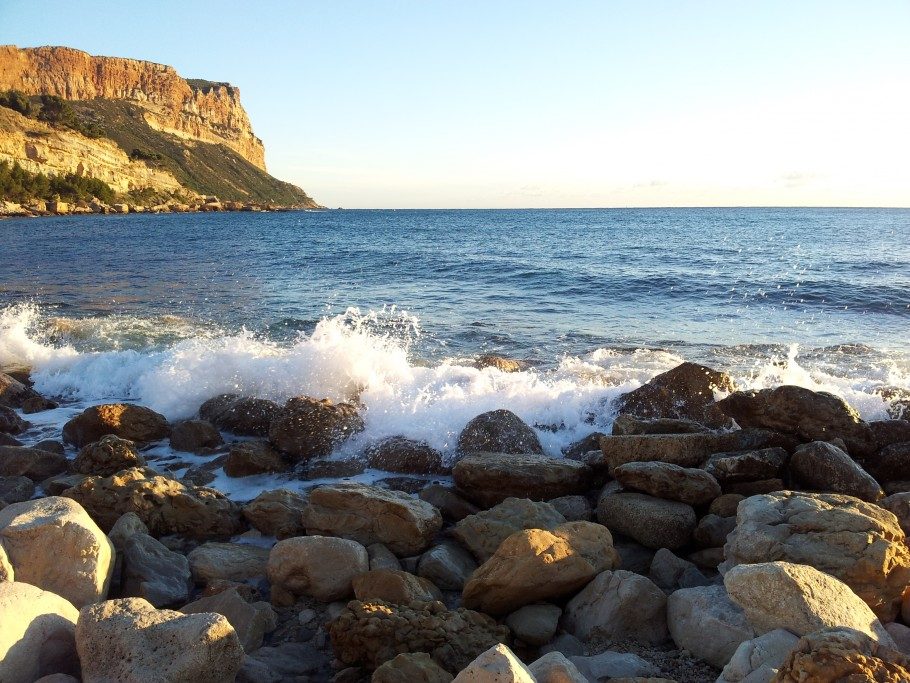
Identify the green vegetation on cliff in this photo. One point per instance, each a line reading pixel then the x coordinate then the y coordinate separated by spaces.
pixel 21 186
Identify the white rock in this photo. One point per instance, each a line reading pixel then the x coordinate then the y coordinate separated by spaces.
pixel 757 660
pixel 704 621
pixel 553 667
pixel 319 566
pixel 497 665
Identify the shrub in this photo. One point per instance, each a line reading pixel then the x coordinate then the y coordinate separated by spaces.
pixel 17 101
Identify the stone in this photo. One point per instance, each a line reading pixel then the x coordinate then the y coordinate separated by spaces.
pixel 319 566
pixel 573 508
pixel 668 481
pixel 633 556
pixel 277 513
pixel 153 572
pixel 613 666
pixel 490 478
pixel 323 468
pixel 195 436
pixel 447 565
pixel 707 558
pixel 629 425
pixel 482 533
pixel 243 416
pixel 653 522
pixel 126 526
pixel 10 422
pixel 857 542
pixel 685 450
pixel 704 621
pixel 534 624
pixel 670 572
pixel 129 640
pixel 52 543
pixel 136 423
pixel 7 573
pixel 369 514
pixel 842 654
pixel 754 465
pixel 394 587
pixel 231 561
pixel 892 463
pixel 56 485
pixel 499 362
pixel 553 667
pixel 166 506
pixel 712 531
pixel 283 662
pixel 897 504
pixel 499 431
pixel 37 633
pixel 411 667
pixel 7 440
pixel 400 454
pixel 537 565
pixel 566 644
pixel 759 659
pixel 453 507
pixel 798 598
pixel 250 621
pixel 216 405
pixel 371 633
pixel 306 428
pixel 15 489
pixel 16 394
pixel 108 455
pixel 381 557
pixel 755 488
pixel 497 665
pixel 253 457
pixel 725 505
pixel 37 465
pixel 824 467
pixel 618 606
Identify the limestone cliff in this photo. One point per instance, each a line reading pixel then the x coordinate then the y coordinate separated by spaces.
pixel 195 110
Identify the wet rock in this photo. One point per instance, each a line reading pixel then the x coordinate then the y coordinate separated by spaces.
pixel 7 440
pixel 411 667
pixel 242 416
pixel 685 450
pixel 108 455
pixel 892 463
pixel 754 465
pixel 704 621
pixel 277 513
pixel 15 489
pixel 253 457
pixel 578 449
pixel 16 394
pixel 534 624
pixel 760 658
pixel 394 586
pixel 482 533
pixel 447 565
pixel 216 405
pixel 499 431
pixel 653 522
pixel 251 621
pixel 824 467
pixel 400 454
pixel 319 566
pixel 842 654
pixel 53 544
pixel 322 468
pixel 51 445
pixel 231 561
pixel 195 436
pixel 629 425
pixel 10 422
pixel 136 423
pixel 497 665
pixel 20 461
pixel 306 428
pixel 668 481
pixel 490 478
pixel 453 507
pixel 153 572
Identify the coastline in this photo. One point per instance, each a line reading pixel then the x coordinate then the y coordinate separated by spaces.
pixel 40 209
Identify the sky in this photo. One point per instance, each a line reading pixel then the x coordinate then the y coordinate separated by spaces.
pixel 407 104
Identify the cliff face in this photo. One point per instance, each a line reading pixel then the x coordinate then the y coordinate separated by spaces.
pixel 192 110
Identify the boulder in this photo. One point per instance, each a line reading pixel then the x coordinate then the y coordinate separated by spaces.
pixel 10 422
pixel 16 394
pixel 628 425
pixel 668 481
pixel 453 507
pixel 166 506
pixel 501 363
pixel 253 457
pixel 842 654
pixel 129 640
pixel 653 522
pixel 670 572
pixel 490 478
pixel 286 661
pixel 499 431
pixel 277 513
pixel 243 416
pixel 534 624
pixel 216 405
pixel 306 428
pixel 7 440
pixel 482 533
pixel 52 543
pixel 381 557
pixel 7 573
pixel 447 565
pixel 573 508
pixel 319 566
pixel 230 561
pixel 726 505
pixel 536 565
pixel 704 621
pixel 369 514
pixel 685 450
pixel 759 659
pixel 857 542
pixel 394 586
pixel 15 490
pixel 497 665
pixel 37 634
pixel 251 621
pixel 108 455
pixel 553 667
pixel 822 466
pixel 153 572
pixel 195 436
pixel 712 531
pixel 892 463
pixel 371 633
pixel 37 465
pixel 618 606
pixel 754 465
pixel 136 423
pixel 126 526
pixel 620 667
pixel 897 504
pixel 411 667
pixel 799 598
pixel 400 454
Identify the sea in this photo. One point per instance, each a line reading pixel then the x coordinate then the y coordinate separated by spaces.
pixel 393 308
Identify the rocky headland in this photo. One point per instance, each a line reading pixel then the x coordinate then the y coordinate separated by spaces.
pixel 714 535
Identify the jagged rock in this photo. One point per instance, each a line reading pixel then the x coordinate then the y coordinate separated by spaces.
pixel 381 557
pixel 253 457
pixel 653 522
pixel 10 422
pixel 372 633
pixel 823 466
pixel 400 454
pixel 251 621
pixel 195 436
pixel 534 624
pixel 712 531
pixel 668 481
pixel 482 533
pixel 799 598
pixel 53 544
pixel 628 425
pixel 36 634
pixel 499 431
pixel 306 428
pixel 153 572
pixel 15 394
pixel 726 505
pixel 842 654
pixel 497 665
pixel 536 565
pixel 857 542
pixel 617 606
pixel 37 465
pixel 670 572
pixel 394 586
pixel 166 506
pixel 453 507
pixel 231 561
pixel 411 667
pixel 216 405
pixel 320 566
pixel 129 640
pixel 369 514
pixel 704 621
pixel 108 455
pixel 573 508
pixel 15 489
pixel 243 416
pixel 447 565
pixel 136 423
pixel 757 660
pixel 614 666
pixel 490 478
pixel 501 363
pixel 553 667
pixel 277 513
pixel 754 465
pixel 685 450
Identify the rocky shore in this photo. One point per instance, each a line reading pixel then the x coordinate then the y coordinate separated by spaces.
pixel 195 205
pixel 714 535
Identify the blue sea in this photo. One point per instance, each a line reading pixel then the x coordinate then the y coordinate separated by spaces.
pixel 393 307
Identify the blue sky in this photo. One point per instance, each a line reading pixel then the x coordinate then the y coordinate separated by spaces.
pixel 464 104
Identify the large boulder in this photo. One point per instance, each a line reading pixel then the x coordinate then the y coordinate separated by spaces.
pixel 319 566
pixel 653 522
pixel 799 598
pixel 371 633
pixel 857 542
pixel 107 456
pixel 704 621
pixel 369 514
pixel 753 465
pixel 166 506
pixel 394 586
pixel 229 561
pixel 277 513
pixel 306 428
pixel 759 659
pixel 52 543
pixel 251 621
pixel 411 667
pixel 243 416
pixel 499 431
pixel 481 533
pixel 535 565
pixel 195 436
pixel 490 478
pixel 497 665
pixel 34 463
pixel 685 450
pixel 154 572
pixel 892 463
pixel 668 481
pixel 400 454
pixel 37 634
pixel 843 654
pixel 821 466
pixel 129 640
pixel 247 458
pixel 128 421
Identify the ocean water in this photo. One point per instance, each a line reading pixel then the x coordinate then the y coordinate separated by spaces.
pixel 394 306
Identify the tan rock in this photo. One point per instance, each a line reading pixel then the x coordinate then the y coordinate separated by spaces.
pixel 319 566
pixel 195 436
pixel 685 450
pixel 668 481
pixel 251 621
pixel 34 463
pixel 394 586
pixel 136 423
pixel 231 561
pixel 497 665
pixel 399 454
pixel 482 533
pixel 7 573
pixel 499 431
pixel 553 667
pixel 490 478
pixel 411 667
pixel 126 526
pixel 306 428
pixel 277 513
pixel 653 522
pixel 108 455
pixel 253 457
pixel 704 621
